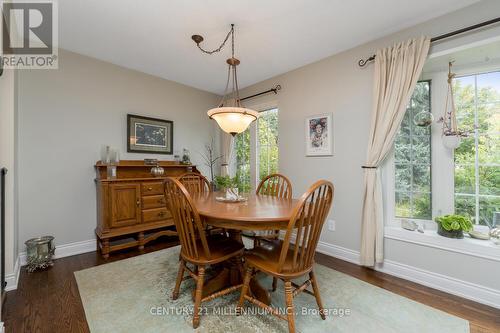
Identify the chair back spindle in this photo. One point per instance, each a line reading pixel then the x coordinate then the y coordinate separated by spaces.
pixel 186 218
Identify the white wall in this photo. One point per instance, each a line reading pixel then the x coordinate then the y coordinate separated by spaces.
pixel 336 84
pixel 65 116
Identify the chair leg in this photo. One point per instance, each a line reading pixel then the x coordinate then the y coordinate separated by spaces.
pixel 290 311
pixel 314 283
pixel 244 290
pixel 197 298
pixel 180 275
pixel 275 283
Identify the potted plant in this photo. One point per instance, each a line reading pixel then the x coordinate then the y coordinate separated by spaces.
pixel 453 226
pixel 228 185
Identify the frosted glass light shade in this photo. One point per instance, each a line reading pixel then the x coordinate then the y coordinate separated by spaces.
pixel 233 120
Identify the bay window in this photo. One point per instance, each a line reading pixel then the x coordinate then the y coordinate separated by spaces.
pixel 423 183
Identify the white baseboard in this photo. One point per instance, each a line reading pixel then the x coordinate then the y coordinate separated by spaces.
pixel 338 252
pixel 65 250
pixel 465 289
pixel 13 278
pixel 451 285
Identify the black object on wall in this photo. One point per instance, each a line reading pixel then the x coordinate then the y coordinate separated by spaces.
pixel 3 172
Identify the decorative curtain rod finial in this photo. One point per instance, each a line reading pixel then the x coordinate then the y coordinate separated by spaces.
pixel 364 62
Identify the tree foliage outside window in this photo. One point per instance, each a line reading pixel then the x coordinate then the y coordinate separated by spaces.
pixel 268 143
pixel 477 159
pixel 412 156
pixel 267 150
pixel 242 149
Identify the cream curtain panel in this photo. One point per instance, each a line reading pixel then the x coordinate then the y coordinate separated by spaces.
pixel 397 69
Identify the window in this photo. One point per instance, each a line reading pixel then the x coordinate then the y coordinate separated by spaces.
pixel 412 160
pixel 242 149
pixel 267 143
pixel 261 141
pixel 477 159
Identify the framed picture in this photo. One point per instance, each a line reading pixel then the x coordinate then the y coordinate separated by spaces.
pixel 319 135
pixel 149 135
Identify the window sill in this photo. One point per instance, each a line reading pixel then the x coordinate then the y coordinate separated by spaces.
pixel 470 246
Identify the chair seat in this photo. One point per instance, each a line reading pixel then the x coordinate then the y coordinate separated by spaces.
pixel 221 249
pixel 265 257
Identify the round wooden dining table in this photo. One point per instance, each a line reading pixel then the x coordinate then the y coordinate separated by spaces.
pixel 257 212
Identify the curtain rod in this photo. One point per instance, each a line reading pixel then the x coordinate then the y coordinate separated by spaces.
pixel 274 90
pixel 364 62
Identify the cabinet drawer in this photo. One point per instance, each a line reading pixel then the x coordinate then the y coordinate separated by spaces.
pixel 152 188
pixel 153 201
pixel 153 215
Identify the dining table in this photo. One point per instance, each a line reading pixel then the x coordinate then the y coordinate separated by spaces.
pixel 254 213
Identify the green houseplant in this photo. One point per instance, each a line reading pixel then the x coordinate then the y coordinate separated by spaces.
pixel 453 226
pixel 225 182
pixel 228 185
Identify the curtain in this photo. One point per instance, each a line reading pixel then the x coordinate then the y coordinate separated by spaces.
pixel 397 69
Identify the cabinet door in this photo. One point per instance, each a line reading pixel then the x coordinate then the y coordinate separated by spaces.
pixel 125 204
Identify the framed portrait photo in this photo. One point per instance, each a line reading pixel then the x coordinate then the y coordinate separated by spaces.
pixel 149 135
pixel 319 135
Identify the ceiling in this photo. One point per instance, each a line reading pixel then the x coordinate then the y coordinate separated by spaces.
pixel 272 36
pixel 485 56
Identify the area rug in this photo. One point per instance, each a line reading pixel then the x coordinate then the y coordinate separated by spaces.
pixel 134 295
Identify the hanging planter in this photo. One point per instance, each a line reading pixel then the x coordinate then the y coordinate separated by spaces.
pixel 451 141
pixel 452 136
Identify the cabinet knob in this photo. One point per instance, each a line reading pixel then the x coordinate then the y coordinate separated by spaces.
pixel 150 188
pixel 161 214
pixel 138 202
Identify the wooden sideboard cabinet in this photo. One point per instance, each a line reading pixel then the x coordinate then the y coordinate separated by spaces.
pixel 132 208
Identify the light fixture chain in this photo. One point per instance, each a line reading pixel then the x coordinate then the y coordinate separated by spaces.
pixel 230 33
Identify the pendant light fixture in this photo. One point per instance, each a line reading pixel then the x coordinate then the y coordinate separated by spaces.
pixel 451 135
pixel 230 114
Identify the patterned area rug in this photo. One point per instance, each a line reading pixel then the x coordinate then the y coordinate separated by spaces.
pixel 134 295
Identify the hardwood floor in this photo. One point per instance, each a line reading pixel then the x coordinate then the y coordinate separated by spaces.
pixel 48 301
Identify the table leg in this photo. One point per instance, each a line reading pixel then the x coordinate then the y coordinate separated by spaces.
pixel 259 292
pixel 220 281
pixel 230 275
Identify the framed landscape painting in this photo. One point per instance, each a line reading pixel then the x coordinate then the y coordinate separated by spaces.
pixel 319 135
pixel 149 135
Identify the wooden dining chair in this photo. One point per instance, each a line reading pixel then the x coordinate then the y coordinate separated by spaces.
pixel 276 185
pixel 197 248
pixel 290 261
pixel 195 183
